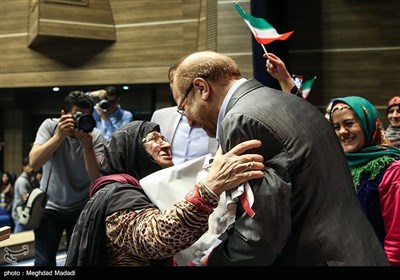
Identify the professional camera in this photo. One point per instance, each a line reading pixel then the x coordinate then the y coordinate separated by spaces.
pixel 103 104
pixel 85 123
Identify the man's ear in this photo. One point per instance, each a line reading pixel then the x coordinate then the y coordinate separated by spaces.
pixel 203 87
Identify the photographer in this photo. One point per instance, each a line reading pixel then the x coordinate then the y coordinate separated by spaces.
pixel 108 114
pixel 22 188
pixel 68 148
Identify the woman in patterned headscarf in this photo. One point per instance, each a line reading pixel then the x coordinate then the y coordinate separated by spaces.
pixel 393 114
pixel 120 226
pixel 375 167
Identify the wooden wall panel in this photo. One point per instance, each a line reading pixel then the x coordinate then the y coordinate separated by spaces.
pixel 234 37
pixel 149 34
pixel 353 46
pixel 51 20
pixel 78 13
pixel 145 75
pixel 14 16
pixel 155 33
pixel 348 24
pixel 142 11
pixel 233 34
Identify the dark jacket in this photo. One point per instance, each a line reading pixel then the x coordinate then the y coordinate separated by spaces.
pixel 118 189
pixel 88 242
pixel 307 212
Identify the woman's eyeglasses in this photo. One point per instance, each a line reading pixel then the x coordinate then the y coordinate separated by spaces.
pixel 156 138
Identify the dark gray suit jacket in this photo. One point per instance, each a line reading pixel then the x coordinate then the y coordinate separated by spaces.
pixel 307 211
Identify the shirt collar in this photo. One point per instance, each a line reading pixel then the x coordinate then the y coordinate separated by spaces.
pixel 224 105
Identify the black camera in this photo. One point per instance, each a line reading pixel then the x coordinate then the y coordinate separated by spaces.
pixel 85 123
pixel 103 104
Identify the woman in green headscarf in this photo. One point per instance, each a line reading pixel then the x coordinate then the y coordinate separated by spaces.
pixel 375 167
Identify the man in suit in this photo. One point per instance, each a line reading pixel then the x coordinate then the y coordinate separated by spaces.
pixel 305 209
pixel 187 142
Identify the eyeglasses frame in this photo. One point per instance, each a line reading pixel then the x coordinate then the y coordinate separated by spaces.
pixel 162 137
pixel 180 109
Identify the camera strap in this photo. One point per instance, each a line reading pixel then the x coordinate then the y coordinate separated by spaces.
pixel 51 162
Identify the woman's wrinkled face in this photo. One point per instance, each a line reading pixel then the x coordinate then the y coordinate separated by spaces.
pixel 348 129
pixel 159 148
pixel 394 116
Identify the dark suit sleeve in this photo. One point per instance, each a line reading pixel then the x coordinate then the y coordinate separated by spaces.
pixel 259 240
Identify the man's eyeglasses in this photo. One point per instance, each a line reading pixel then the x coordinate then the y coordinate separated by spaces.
pixel 180 109
pixel 156 138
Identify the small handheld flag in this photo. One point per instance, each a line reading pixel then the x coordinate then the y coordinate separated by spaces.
pixel 263 32
pixel 298 80
pixel 306 87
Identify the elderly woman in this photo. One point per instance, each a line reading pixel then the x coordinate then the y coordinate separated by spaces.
pixel 120 226
pixel 375 167
pixel 393 114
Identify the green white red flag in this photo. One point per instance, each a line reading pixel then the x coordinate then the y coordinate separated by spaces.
pixel 306 87
pixel 263 32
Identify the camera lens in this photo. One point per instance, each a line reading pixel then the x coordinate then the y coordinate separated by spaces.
pixel 85 123
pixel 104 104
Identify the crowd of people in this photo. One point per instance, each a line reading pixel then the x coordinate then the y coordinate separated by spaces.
pixel 13 194
pixel 373 158
pixel 374 165
pixel 323 189
pixel 296 204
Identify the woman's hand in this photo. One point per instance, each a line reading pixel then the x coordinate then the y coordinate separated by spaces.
pixel 277 69
pixel 232 169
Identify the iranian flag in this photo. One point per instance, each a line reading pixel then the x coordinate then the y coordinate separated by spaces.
pixel 306 87
pixel 263 32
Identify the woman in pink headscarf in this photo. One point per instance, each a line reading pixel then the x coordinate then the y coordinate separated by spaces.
pixel 393 114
